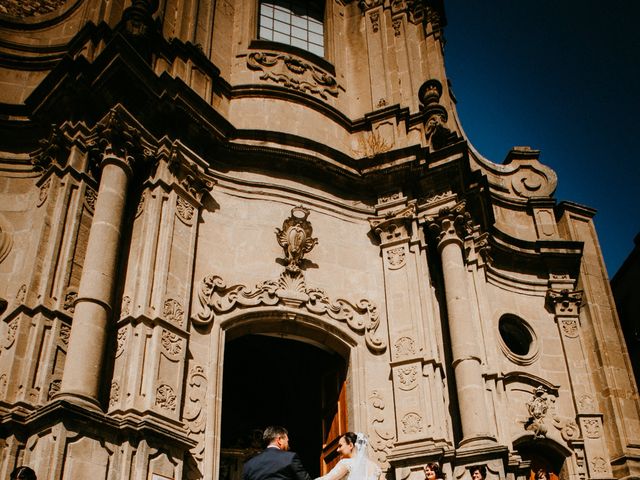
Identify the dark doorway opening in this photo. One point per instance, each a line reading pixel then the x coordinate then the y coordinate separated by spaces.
pixel 270 380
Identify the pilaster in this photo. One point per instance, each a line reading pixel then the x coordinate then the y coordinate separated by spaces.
pixel 565 304
pixel 416 363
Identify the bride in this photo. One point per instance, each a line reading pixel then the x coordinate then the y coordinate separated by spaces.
pixel 355 463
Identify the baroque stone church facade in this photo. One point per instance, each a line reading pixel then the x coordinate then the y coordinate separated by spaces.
pixel 220 215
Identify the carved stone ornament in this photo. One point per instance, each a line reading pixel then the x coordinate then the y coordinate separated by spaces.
pixel 125 308
pixel 293 73
pixel 195 414
pixel 437 134
pixel 115 137
pixel 6 242
pixel 394 226
pixel 90 199
pixel 51 147
pixel 122 336
pixel 70 301
pixel 396 257
pixel 3 384
pixel 43 192
pixel 411 423
pixel 29 8
pixel 140 207
pixel 166 397
pixel 12 330
pixel 404 347
pixel 171 343
pixel 114 394
pixel 451 223
pixel 397 25
pixel 21 294
pixel 295 238
pixel 54 387
pixel 407 377
pixel 65 334
pixel 185 210
pixel 537 408
pixel 569 327
pixel 599 466
pixel 374 17
pixel 369 4
pixel 384 438
pixel 565 302
pixel 591 427
pixel 290 289
pixel 173 312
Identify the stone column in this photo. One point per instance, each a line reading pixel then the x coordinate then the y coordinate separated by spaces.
pixel 565 304
pixel 93 308
pixel 448 226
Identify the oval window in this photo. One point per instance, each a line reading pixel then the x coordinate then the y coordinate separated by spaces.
pixel 518 339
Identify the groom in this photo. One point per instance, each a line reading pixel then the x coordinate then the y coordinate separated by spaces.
pixel 276 462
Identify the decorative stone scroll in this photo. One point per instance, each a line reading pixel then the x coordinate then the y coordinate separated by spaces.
pixel 384 438
pixel 29 8
pixel 217 298
pixel 6 241
pixel 293 73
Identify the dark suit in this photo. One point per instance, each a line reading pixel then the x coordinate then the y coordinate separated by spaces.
pixel 275 464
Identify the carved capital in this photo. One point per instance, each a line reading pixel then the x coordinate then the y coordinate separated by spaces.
pixel 366 5
pixel 395 226
pixel 50 151
pixel 451 224
pixel 192 182
pixel 564 302
pixel 114 139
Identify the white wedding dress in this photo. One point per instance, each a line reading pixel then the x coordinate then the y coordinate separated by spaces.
pixel 344 469
pixel 358 467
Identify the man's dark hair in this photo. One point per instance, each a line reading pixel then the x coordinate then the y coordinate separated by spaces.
pixel 23 473
pixel 481 468
pixel 273 432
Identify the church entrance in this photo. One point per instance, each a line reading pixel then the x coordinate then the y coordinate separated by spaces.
pixel 270 380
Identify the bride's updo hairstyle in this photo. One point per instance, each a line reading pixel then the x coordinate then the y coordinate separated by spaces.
pixel 350 438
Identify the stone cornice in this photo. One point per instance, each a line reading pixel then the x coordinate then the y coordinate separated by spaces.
pixel 76 417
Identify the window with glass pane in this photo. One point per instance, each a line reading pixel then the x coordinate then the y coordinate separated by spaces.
pixel 297 23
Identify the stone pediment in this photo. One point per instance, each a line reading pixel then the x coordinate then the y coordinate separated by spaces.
pixel 521 176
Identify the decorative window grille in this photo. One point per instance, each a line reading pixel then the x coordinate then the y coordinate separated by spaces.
pixel 296 23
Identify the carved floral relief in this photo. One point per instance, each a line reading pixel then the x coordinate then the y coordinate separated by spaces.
pixel 411 423
pixel 166 397
pixel 293 73
pixel 173 312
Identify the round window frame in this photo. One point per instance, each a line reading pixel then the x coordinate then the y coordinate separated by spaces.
pixel 534 346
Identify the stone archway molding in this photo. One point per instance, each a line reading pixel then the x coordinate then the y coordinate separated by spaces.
pixel 290 290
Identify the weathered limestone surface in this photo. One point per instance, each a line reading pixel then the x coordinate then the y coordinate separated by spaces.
pixel 170 186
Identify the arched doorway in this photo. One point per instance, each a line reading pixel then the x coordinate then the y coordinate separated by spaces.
pixel 272 380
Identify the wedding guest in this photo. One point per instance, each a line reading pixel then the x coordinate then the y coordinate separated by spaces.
pixel 433 471
pixel 478 472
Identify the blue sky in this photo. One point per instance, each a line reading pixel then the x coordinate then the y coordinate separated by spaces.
pixel 563 77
